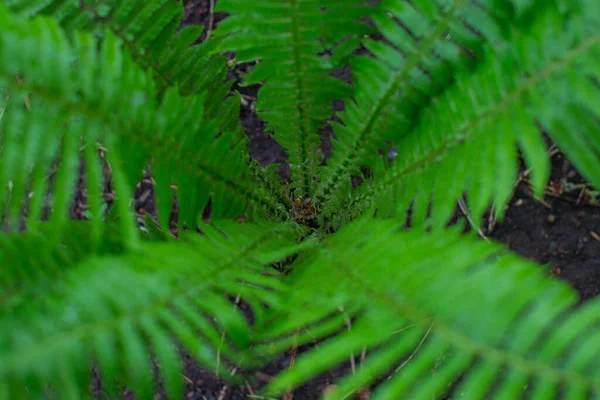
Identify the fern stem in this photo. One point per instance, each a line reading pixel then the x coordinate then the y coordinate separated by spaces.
pixel 304 158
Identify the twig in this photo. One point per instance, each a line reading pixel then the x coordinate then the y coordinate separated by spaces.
pixel 551 152
pixel 414 351
pixel 541 200
pixel 465 210
pixel 222 393
pixel 248 97
pixel 349 325
pixel 403 329
pixel 224 388
pixel 249 388
pixel 288 393
pixel 491 220
pixel 210 18
pixel 595 235
pixel 263 377
pixel 219 355
pixel 188 380
pixel 567 199
pixel 581 193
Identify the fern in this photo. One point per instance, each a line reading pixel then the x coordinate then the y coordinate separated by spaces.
pixel 428 43
pixel 458 87
pixel 434 308
pixel 485 114
pixel 137 124
pixel 288 37
pixel 148 30
pixel 138 303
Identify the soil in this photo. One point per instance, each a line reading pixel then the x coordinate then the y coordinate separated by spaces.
pixel 561 231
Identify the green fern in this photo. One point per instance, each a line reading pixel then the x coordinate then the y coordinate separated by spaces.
pixel 546 79
pixel 456 86
pixel 137 303
pixel 137 125
pixel 428 43
pixel 148 30
pixel 433 308
pixel 287 38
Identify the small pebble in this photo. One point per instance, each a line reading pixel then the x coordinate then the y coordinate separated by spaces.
pixel 519 202
pixel 552 218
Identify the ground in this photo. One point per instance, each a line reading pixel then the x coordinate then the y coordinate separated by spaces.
pixel 560 231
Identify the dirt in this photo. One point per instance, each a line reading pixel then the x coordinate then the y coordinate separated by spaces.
pixel 560 231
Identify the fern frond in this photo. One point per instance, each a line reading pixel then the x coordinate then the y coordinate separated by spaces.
pixel 466 139
pixel 20 254
pixel 82 95
pixel 121 310
pixel 149 31
pixel 24 277
pixel 437 314
pixel 427 43
pixel 287 37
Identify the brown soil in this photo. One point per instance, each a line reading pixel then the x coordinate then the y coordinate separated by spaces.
pixel 562 230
